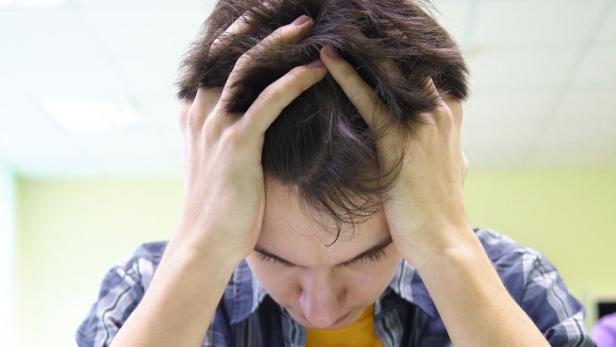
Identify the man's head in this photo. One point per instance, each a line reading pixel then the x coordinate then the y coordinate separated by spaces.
pixel 317 284
pixel 319 156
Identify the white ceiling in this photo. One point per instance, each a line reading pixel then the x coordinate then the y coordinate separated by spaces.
pixel 543 78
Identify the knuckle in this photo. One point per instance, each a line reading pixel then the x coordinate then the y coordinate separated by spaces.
pixel 246 57
pixel 278 34
pixel 210 128
pixel 193 124
pixel 445 116
pixel 241 62
pixel 232 137
pixel 216 43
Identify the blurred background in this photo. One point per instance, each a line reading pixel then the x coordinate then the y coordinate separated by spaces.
pixel 90 151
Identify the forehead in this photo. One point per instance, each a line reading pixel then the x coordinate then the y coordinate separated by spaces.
pixel 289 227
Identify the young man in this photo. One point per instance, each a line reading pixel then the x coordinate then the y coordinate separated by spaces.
pixel 366 141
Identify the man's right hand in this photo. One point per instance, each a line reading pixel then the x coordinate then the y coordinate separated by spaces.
pixel 224 194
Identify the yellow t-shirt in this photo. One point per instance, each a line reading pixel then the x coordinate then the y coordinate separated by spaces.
pixel 360 334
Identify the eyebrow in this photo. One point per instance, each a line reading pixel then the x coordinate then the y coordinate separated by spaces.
pixel 374 249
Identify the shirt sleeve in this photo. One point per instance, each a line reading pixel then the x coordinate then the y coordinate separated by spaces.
pixel 546 299
pixel 120 292
pixel 122 289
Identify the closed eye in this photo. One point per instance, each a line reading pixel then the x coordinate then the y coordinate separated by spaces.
pixel 267 258
pixel 374 256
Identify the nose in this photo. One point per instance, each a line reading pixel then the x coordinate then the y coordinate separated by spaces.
pixel 322 298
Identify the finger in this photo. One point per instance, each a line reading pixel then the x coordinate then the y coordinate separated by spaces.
pixel 455 106
pixel 211 97
pixel 431 90
pixel 278 95
pixel 201 106
pixel 289 33
pixel 384 64
pixel 363 97
pixel 239 26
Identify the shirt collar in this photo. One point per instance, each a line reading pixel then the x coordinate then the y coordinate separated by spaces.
pixel 246 293
pixel 410 287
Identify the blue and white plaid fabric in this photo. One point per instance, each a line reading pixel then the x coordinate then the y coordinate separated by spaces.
pixel 404 313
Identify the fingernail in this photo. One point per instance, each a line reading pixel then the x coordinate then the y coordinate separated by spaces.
pixel 330 52
pixel 301 20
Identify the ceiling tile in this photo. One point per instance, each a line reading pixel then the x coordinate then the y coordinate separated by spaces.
pixel 455 16
pixel 141 5
pixel 150 74
pixel 144 52
pixel 597 69
pixel 519 65
pixel 136 34
pixel 589 106
pixel 497 147
pixel 53 53
pixel 535 22
pixel 521 69
pixel 25 126
pixel 607 33
pixel 161 108
pixel 583 131
pixel 504 108
pixel 499 126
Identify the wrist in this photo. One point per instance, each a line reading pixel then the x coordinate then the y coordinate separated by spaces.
pixel 471 298
pixel 206 250
pixel 455 241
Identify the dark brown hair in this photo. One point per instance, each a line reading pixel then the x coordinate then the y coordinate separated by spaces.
pixel 320 145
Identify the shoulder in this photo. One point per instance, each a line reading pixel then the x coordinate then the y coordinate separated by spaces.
pixel 520 268
pixel 121 289
pixel 143 261
pixel 537 286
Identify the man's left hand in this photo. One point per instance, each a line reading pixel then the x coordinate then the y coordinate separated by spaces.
pixel 425 207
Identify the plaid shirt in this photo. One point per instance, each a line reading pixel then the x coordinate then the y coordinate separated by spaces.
pixel 404 314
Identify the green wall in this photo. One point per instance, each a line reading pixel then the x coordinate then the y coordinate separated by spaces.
pixel 70 232
pixel 570 215
pixel 7 255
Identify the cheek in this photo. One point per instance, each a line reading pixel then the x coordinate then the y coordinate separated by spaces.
pixel 371 279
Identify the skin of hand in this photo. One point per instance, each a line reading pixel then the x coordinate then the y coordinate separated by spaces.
pixel 223 202
pixel 425 207
pixel 428 224
pixel 223 199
